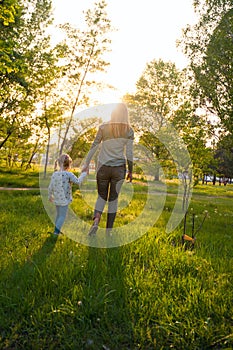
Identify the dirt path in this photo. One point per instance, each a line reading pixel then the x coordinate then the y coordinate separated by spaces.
pixel 18 188
pixel 168 194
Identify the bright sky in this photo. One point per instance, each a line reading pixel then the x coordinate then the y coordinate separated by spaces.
pixel 146 30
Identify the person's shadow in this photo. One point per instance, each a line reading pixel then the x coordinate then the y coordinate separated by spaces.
pixel 104 298
pixel 33 262
pixel 18 283
pixel 106 295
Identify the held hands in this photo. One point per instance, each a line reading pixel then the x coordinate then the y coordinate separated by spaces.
pixel 82 176
pixel 85 169
pixel 129 176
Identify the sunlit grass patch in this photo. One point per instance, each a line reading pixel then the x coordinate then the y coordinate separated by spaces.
pixel 215 190
pixel 151 294
pixel 18 178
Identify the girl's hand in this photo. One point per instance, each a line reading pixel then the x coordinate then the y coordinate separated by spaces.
pixel 51 199
pixel 85 168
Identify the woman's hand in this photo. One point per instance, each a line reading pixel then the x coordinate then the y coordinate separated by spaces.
pixel 129 176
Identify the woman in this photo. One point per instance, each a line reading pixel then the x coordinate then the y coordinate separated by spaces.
pixel 116 139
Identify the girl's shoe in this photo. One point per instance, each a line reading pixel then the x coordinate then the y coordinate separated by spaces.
pixel 57 233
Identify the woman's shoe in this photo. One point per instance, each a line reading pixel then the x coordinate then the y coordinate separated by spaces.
pixel 93 229
pixel 109 232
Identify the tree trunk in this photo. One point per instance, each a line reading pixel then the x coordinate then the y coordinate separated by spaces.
pixel 32 155
pixel 5 140
pixel 156 176
pixel 214 179
pixel 203 179
pixel 47 155
pixel 59 140
pixel 77 98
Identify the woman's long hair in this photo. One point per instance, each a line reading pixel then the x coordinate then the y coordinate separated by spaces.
pixel 120 121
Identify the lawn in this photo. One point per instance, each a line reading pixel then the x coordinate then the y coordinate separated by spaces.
pixel 56 293
pixel 17 178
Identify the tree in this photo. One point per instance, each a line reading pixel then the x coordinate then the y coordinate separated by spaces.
pixel 81 145
pixel 209 47
pixel 224 155
pixel 47 74
pixel 10 18
pixel 12 83
pixel 85 57
pixel 196 131
pixel 159 89
pixel 162 98
pixel 158 95
pixel 216 75
pixel 22 38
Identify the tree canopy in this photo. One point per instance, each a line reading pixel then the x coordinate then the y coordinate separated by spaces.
pixel 209 47
pixel 39 83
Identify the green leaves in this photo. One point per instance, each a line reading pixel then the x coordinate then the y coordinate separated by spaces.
pixel 8 11
pixel 159 87
pixel 224 155
pixel 209 47
pixel 85 57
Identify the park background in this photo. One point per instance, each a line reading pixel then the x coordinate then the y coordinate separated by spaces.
pixel 159 292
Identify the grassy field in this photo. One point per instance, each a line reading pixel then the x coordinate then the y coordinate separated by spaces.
pixel 151 294
pixel 17 178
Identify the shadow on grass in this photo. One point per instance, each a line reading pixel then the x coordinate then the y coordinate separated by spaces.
pixel 19 294
pixel 106 296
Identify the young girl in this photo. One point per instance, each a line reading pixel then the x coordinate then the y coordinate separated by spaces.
pixel 60 188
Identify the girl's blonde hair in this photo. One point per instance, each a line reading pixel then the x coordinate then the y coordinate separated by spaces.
pixel 120 121
pixel 64 162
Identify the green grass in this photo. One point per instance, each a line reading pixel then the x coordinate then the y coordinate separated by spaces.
pixel 17 178
pixel 215 190
pixel 150 294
